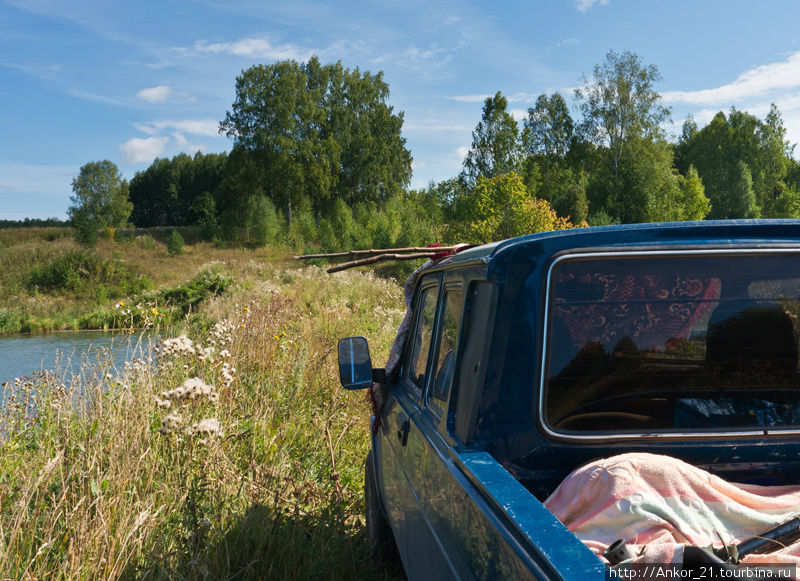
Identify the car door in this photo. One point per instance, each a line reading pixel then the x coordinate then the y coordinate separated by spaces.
pixel 402 404
pixel 426 450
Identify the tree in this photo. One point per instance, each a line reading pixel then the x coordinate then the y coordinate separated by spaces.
pixel 741 200
pixel 622 119
pixel 495 148
pixel 175 243
pixel 549 129
pixel 547 137
pixel 165 193
pixel 100 196
pixel 320 133
pixel 501 207
pixel 718 150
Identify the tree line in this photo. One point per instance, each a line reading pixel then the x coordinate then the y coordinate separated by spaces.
pixel 318 159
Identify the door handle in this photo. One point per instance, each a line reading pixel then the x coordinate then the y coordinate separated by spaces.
pixel 403 426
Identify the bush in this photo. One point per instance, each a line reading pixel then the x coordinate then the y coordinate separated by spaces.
pixel 85 228
pixel 84 271
pixel 9 322
pixel 146 242
pixel 68 271
pixel 263 225
pixel 175 243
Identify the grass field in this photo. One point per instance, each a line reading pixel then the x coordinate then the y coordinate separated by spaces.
pixel 234 454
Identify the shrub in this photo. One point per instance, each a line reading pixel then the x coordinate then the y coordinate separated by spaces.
pixel 175 243
pixel 263 223
pixel 85 228
pixel 146 242
pixel 9 322
pixel 68 271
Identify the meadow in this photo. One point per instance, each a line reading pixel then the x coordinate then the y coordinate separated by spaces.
pixel 232 454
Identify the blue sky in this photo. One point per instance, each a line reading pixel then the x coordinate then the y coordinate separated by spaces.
pixel 84 80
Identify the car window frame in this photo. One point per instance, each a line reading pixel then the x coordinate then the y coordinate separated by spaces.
pixel 437 406
pixel 432 281
pixel 546 302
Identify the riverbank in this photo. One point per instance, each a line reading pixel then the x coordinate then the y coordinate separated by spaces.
pixel 50 283
pixel 234 455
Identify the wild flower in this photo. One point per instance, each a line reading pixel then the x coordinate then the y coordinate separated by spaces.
pixel 192 389
pixel 226 374
pixel 176 346
pixel 170 423
pixel 208 427
pixel 205 353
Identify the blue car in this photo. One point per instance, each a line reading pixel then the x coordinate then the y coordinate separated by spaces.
pixel 523 360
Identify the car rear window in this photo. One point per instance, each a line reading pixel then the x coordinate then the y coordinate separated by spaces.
pixel 684 343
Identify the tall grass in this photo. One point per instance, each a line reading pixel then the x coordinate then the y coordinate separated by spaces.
pixel 252 469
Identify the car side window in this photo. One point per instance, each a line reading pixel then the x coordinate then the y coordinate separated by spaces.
pixel 448 339
pixel 422 334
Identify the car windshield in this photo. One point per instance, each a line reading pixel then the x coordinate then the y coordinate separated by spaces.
pixel 683 342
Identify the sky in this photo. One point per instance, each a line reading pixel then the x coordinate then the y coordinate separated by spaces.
pixel 83 80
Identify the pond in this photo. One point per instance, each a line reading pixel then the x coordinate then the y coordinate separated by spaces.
pixel 68 353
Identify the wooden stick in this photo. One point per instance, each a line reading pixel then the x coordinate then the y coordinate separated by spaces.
pixel 379 251
pixel 381 257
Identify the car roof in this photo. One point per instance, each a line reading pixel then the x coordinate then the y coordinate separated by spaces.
pixel 711 232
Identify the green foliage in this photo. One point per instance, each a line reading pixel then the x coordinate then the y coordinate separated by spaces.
pixel 100 194
pixel 694 203
pixel 741 199
pixel 82 271
pixel 600 218
pixel 622 119
pixel 549 129
pixel 146 242
pixel 175 244
pixel 178 191
pixel 9 322
pixel 763 185
pixel 495 149
pixel 303 230
pixel 317 133
pixel 85 227
pixel 186 297
pixel 500 208
pixel 264 226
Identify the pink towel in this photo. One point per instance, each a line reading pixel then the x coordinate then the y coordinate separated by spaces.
pixel 657 504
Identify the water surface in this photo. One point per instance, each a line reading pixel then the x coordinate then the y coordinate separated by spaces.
pixel 68 353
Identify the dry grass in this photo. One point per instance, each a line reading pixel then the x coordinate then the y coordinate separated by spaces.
pixel 102 481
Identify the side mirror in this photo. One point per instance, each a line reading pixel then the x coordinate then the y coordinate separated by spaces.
pixel 355 367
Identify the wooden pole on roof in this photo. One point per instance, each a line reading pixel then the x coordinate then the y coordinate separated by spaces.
pixel 379 251
pixel 381 257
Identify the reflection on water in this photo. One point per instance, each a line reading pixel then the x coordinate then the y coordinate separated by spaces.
pixel 70 354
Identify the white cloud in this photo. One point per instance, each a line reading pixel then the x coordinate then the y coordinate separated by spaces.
pixel 184 145
pixel 756 82
pixel 205 127
pixel 462 152
pixel 139 150
pixel 519 114
pixel 470 98
pixel 586 5
pixel 162 94
pixel 158 94
pixel 260 48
